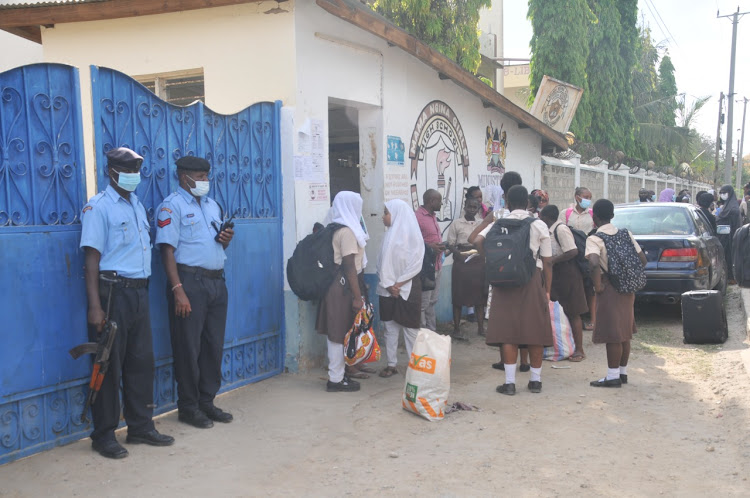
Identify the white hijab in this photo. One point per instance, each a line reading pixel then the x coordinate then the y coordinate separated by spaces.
pixel 495 196
pixel 347 210
pixel 401 255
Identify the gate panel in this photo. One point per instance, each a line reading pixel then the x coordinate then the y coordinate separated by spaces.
pixel 43 307
pixel 244 152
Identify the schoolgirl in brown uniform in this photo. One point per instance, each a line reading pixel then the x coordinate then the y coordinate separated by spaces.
pixel 567 280
pixel 346 294
pixel 615 319
pixel 520 315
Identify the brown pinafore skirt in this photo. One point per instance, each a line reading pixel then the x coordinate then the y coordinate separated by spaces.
pixel 469 281
pixel 406 313
pixel 335 314
pixel 520 315
pixel 567 288
pixel 615 318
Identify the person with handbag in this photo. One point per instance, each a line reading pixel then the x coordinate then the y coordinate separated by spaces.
pixel 347 293
pixel 399 284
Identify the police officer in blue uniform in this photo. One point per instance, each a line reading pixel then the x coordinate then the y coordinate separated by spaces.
pixel 192 241
pixel 116 240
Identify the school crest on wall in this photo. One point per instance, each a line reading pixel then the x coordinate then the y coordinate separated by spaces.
pixel 439 159
pixel 497 142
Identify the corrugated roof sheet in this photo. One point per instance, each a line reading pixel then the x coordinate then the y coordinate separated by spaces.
pixel 20 4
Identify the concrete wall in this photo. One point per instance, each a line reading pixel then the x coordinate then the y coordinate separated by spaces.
pixel 227 43
pixel 17 51
pixel 560 177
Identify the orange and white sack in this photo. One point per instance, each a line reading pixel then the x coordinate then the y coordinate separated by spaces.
pixel 428 377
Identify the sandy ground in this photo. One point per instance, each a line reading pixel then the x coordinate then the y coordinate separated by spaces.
pixel 679 428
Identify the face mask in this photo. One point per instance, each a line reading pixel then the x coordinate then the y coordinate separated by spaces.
pixel 724 196
pixel 201 188
pixel 674 198
pixel 653 198
pixel 502 203
pixel 128 181
pixel 585 203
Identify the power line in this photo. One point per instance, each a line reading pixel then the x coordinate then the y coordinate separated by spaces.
pixel 662 21
pixel 656 20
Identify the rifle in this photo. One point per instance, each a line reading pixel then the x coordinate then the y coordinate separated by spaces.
pixel 102 349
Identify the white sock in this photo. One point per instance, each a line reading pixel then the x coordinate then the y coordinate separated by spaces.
pixel 624 370
pixel 613 373
pixel 536 374
pixel 510 373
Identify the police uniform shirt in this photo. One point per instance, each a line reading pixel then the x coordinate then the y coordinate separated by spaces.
pixel 185 224
pixel 119 230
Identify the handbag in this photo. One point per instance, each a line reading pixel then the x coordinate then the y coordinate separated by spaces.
pixel 360 344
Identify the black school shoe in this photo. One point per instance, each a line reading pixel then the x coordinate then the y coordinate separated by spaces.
pixel 624 378
pixel 196 418
pixel 508 389
pixel 606 383
pixel 154 438
pixel 346 385
pixel 217 414
pixel 525 367
pixel 109 448
pixel 535 386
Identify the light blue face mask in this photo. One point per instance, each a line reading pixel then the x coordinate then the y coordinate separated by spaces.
pixel 674 197
pixel 128 181
pixel 502 203
pixel 585 203
pixel 653 198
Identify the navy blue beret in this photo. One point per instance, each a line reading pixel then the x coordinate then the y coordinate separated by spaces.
pixel 123 157
pixel 192 163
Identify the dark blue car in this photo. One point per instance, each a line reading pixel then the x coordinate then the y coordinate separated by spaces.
pixel 681 247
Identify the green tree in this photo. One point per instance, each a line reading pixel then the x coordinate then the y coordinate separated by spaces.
pixel 449 26
pixel 667 91
pixel 628 45
pixel 604 69
pixel 560 50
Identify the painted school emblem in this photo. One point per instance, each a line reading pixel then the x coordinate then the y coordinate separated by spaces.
pixel 439 159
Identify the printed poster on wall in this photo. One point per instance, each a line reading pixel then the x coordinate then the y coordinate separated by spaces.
pixel 556 103
pixel 395 153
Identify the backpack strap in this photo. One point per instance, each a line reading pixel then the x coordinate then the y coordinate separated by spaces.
pixel 567 215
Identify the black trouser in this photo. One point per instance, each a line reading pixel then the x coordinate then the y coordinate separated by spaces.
pixel 198 339
pixel 131 361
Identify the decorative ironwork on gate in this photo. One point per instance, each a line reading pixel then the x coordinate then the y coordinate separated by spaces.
pixel 41 195
pixel 244 152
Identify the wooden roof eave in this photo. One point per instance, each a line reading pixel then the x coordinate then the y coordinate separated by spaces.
pixel 367 20
pixel 26 21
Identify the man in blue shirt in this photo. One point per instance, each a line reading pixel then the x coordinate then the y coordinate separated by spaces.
pixel 192 243
pixel 116 239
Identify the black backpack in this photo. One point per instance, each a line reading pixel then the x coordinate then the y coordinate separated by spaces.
pixel 625 270
pixel 427 275
pixel 741 256
pixel 580 239
pixel 311 269
pixel 509 260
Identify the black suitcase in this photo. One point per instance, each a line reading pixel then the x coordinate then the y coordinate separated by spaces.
pixel 704 320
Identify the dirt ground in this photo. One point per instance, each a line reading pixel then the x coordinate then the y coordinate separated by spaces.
pixel 679 428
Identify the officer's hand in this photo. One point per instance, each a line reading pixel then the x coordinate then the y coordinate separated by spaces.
pixel 181 303
pixel 96 318
pixel 226 236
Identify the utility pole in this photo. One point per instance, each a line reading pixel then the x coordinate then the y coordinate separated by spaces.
pixel 730 104
pixel 718 139
pixel 741 147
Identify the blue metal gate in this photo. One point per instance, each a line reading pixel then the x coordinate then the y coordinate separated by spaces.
pixel 244 152
pixel 41 270
pixel 42 192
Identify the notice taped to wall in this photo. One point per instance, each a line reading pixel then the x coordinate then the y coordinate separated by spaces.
pixel 318 193
pixel 396 186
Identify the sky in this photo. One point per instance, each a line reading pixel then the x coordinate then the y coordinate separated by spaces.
pixel 698 43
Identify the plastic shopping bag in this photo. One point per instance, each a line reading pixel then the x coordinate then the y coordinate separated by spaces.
pixel 428 377
pixel 360 345
pixel 562 333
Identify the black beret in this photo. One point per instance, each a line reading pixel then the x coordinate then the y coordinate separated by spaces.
pixel 123 157
pixel 192 163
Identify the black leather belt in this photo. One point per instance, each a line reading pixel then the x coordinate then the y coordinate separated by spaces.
pixel 118 281
pixel 200 271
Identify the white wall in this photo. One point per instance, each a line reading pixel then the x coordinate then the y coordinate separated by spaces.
pixel 16 51
pixel 247 56
pixel 338 60
pixel 491 22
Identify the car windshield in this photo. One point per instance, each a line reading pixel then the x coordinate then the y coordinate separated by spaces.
pixel 656 220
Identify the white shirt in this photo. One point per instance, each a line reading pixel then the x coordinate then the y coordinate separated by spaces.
pixel 539 240
pixel 595 245
pixel 567 242
pixel 581 221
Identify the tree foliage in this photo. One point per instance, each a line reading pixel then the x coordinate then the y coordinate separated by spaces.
pixel 560 49
pixel 449 26
pixel 667 91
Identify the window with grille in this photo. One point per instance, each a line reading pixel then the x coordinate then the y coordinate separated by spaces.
pixel 181 88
